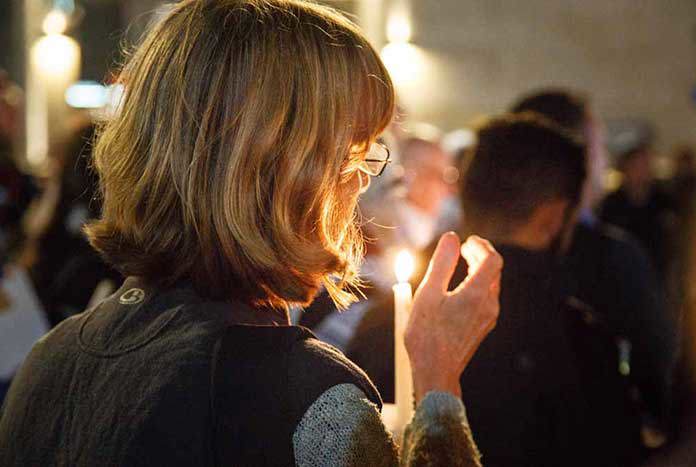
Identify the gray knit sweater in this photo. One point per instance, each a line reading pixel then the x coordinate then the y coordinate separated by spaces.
pixel 343 428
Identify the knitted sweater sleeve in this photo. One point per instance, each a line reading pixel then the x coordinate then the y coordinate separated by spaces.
pixel 343 428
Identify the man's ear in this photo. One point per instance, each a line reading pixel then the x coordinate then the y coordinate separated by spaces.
pixel 549 218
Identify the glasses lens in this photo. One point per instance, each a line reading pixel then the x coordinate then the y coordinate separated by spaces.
pixel 372 167
pixel 376 158
pixel 377 152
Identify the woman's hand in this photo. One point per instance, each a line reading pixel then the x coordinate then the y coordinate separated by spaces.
pixel 445 328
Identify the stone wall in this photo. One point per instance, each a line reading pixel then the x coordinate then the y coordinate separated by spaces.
pixel 637 58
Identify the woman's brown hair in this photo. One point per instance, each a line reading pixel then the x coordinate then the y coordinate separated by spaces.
pixel 230 157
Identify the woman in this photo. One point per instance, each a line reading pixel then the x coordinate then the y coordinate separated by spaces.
pixel 230 179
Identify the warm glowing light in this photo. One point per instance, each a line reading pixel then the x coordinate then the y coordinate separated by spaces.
pixel 37 145
pixel 612 180
pixel 56 54
pixel 404 266
pixel 459 139
pixel 55 22
pixel 403 61
pixel 399 27
pixel 55 65
pixel 86 95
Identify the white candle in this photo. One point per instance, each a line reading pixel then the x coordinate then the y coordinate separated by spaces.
pixel 403 381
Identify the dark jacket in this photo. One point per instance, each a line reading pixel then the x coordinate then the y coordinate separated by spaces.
pixel 521 388
pixel 652 223
pixel 154 378
pixel 610 273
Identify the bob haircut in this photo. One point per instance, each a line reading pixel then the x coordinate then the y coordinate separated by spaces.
pixel 228 163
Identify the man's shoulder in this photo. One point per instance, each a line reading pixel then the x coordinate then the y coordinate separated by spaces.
pixel 610 269
pixel 605 241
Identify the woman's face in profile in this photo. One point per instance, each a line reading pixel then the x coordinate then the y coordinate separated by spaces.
pixel 363 182
pixel 357 182
pixel 356 185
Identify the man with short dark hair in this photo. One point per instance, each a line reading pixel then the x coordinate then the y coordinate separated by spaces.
pixel 522 189
pixel 524 181
pixel 644 208
pixel 571 112
pixel 612 278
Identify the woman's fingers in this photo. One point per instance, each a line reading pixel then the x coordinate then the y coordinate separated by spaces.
pixel 445 329
pixel 474 250
pixel 495 287
pixel 485 266
pixel 442 264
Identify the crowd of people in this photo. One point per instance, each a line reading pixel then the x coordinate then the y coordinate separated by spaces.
pixel 592 360
pixel 606 271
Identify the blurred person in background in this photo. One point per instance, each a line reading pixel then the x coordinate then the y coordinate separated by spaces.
pixel 507 193
pixel 403 211
pixel 681 452
pixel 572 112
pixel 643 208
pixel 65 269
pixel 16 188
pixel 426 187
pixel 522 189
pixel 682 188
pixel 22 319
pixel 612 278
pixel 229 182
pixel 407 212
pixel 682 185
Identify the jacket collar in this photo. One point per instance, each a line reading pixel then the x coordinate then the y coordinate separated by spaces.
pixel 136 290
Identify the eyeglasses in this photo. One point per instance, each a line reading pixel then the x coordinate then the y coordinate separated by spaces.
pixel 376 160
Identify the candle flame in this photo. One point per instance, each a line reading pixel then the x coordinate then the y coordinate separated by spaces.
pixel 404 266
